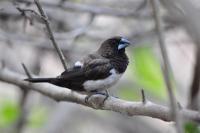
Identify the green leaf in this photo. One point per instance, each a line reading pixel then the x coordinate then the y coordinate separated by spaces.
pixel 9 111
pixel 147 72
pixel 191 128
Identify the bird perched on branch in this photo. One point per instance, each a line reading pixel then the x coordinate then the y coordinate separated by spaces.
pixel 97 71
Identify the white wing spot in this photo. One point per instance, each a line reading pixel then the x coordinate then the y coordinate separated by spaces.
pixel 78 64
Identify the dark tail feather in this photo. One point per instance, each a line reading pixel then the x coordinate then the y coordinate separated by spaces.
pixel 37 80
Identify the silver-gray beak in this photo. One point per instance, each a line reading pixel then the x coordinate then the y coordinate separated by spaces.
pixel 123 43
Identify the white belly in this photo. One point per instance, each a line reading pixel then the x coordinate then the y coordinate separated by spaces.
pixel 102 84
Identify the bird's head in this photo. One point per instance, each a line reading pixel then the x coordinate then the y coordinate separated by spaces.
pixel 113 46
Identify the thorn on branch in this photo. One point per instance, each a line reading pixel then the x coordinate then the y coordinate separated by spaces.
pixel 26 70
pixel 143 97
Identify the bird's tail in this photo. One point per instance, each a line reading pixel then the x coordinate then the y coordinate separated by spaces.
pixel 38 80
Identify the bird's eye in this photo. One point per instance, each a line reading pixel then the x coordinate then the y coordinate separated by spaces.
pixel 123 43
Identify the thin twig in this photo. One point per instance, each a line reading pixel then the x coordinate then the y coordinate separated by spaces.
pixel 30 15
pixel 61 56
pixel 166 71
pixel 23 11
pixel 112 104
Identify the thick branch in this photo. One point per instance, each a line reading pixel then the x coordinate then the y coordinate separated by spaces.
pixel 113 104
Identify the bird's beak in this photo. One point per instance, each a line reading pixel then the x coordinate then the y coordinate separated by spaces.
pixel 123 43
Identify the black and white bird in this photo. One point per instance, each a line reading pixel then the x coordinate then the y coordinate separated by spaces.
pixel 97 71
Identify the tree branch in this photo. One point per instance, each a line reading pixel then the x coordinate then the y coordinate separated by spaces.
pixel 61 56
pixel 166 69
pixel 112 104
pixel 188 14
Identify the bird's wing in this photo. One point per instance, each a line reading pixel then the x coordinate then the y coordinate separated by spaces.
pixel 98 69
pixel 92 70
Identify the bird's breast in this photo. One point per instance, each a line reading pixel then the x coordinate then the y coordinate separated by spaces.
pixel 102 84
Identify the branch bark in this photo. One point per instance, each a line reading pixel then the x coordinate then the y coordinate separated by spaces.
pixel 129 108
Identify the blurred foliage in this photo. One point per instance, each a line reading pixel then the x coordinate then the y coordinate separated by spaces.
pixel 145 68
pixel 9 111
pixel 192 128
pixel 38 117
pixel 130 94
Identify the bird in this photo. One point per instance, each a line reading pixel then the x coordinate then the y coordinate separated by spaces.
pixel 96 72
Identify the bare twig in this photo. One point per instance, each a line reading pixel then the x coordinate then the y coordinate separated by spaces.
pixel 30 15
pixel 166 71
pixel 26 71
pixel 23 11
pixel 61 56
pixel 113 104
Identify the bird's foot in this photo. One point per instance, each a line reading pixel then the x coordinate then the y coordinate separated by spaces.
pixel 106 94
